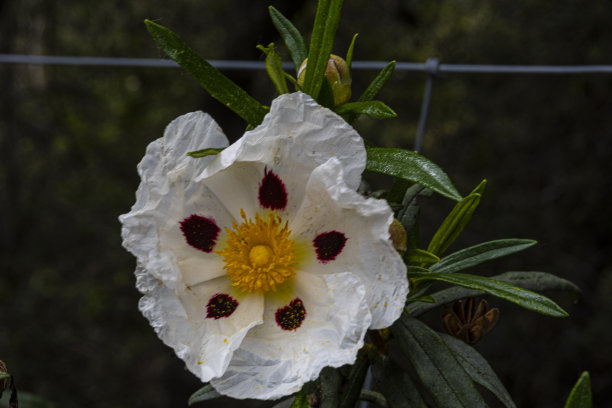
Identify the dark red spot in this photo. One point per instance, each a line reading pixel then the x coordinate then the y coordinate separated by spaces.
pixel 272 192
pixel 220 305
pixel 329 245
pixel 290 317
pixel 200 232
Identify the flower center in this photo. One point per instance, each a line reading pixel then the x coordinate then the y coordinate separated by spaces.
pixel 258 254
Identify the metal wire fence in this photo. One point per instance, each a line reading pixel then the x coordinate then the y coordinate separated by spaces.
pixel 432 67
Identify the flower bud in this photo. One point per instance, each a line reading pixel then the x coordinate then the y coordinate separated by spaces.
pixel 337 74
pixel 399 237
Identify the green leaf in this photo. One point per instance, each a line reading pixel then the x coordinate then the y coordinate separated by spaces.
pixel 580 397
pixel 456 221
pixel 394 383
pixel 292 37
pixel 330 385
pixel 203 394
pixel 408 215
pixel 539 281
pixel 522 297
pixel 214 82
pixel 536 281
pixel 378 82
pixel 419 256
pixel 286 403
pixel 211 151
pixel 355 381
pixel 398 190
pixel 349 54
pixel 302 397
pixel 274 68
pixel 25 400
pixel 446 381
pixel 426 299
pixel 326 95
pixel 374 397
pixel 477 254
pixel 477 367
pixel 324 30
pixel 411 166
pixel 300 400
pixel 376 109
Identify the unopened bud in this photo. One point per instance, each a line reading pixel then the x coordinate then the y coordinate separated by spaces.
pixel 399 237
pixel 337 74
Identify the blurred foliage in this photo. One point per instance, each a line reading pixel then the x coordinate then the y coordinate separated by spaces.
pixel 70 138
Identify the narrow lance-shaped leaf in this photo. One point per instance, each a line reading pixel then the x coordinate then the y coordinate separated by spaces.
pixel 330 384
pixel 477 367
pixel 456 221
pixel 522 297
pixel 324 30
pixel 398 192
pixel 445 380
pixel 376 109
pixel 373 89
pixel 274 68
pixel 411 166
pixel 355 381
pixel 286 403
pixel 211 151
pixel 378 82
pixel 291 36
pixel 375 398
pixel 477 254
pixel 419 256
pixel 349 54
pixel 302 397
pixel 203 394
pixel 214 82
pixel 395 384
pixel 536 281
pixel 581 397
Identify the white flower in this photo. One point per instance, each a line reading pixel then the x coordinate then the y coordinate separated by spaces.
pixel 263 265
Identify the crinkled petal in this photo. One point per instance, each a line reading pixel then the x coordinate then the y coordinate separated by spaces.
pixel 296 136
pixel 180 320
pixel 330 205
pixel 272 362
pixel 167 194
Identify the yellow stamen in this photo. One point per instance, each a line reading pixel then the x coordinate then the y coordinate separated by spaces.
pixel 258 255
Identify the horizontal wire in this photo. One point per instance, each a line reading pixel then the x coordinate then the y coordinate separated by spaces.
pixel 260 65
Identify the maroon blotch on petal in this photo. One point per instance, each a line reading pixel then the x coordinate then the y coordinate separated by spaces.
pixel 221 305
pixel 290 317
pixel 200 232
pixel 328 245
pixel 272 192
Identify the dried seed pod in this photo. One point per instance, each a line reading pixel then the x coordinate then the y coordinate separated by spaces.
pixel 469 321
pixel 4 382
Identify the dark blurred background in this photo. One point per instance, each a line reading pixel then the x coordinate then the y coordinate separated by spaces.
pixel 71 136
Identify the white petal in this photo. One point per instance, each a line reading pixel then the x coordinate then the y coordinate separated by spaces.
pixel 167 194
pixel 237 187
pixel 296 136
pixel 179 319
pixel 272 362
pixel 330 205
